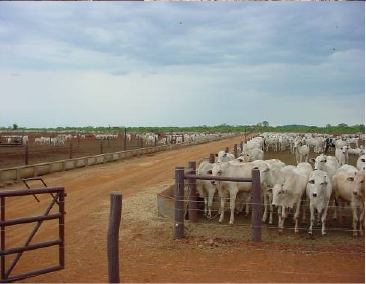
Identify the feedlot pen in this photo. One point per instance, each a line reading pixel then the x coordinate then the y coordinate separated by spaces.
pixel 210 252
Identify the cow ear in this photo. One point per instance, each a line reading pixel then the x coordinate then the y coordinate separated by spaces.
pixel 312 160
pixel 240 160
pixel 350 178
pixel 209 172
pixel 255 168
pixel 216 155
pixel 269 189
pixel 311 181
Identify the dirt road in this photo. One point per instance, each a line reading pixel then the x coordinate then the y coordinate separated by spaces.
pixel 147 251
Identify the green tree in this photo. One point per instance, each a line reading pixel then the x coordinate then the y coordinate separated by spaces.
pixel 15 126
pixel 265 123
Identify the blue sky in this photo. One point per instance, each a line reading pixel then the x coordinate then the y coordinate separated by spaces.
pixel 162 64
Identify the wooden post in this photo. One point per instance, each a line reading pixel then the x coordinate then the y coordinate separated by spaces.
pixel 101 146
pixel 125 140
pixel 113 237
pixel 256 206
pixel 70 150
pixel 241 146
pixel 236 150
pixel 141 142
pixel 26 154
pixel 2 219
pixel 212 158
pixel 227 150
pixel 179 203
pixel 155 141
pixel 192 206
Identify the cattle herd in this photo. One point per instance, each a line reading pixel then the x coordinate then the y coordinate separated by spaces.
pixel 55 139
pixel 315 185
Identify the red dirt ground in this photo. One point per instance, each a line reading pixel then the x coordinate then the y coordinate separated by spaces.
pixel 147 251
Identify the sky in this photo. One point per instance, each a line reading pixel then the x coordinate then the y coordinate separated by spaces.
pixel 181 64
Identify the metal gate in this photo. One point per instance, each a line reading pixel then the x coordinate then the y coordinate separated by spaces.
pixel 58 195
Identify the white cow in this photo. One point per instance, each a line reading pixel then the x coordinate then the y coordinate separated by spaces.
pixel 235 169
pixel 275 177
pixel 342 155
pixel 349 187
pixel 289 193
pixel 361 163
pixel 206 188
pixel 223 156
pixel 301 152
pixel 252 155
pixel 318 191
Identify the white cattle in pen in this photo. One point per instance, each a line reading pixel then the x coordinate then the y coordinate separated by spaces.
pixel 235 169
pixel 275 177
pixel 318 191
pixel 356 151
pixel 290 192
pixel 342 155
pixel 361 163
pixel 301 152
pixel 349 188
pixel 25 140
pixel 252 155
pixel 206 188
pixel 222 156
pixel 271 143
pixel 329 164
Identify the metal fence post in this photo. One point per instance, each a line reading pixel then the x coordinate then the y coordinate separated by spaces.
pixel 235 150
pixel 212 158
pixel 179 203
pixel 26 154
pixel 256 207
pixel 113 237
pixel 192 206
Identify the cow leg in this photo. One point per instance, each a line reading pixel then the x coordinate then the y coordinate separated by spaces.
pixel 222 207
pixel 270 213
pixel 233 193
pixel 324 218
pixel 296 216
pixel 279 213
pixel 247 205
pixel 211 194
pixel 334 208
pixel 265 202
pixel 304 211
pixel 205 199
pixel 311 220
pixel 355 219
pixel 362 219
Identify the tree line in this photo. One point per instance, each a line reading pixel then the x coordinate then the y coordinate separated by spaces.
pixel 222 128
